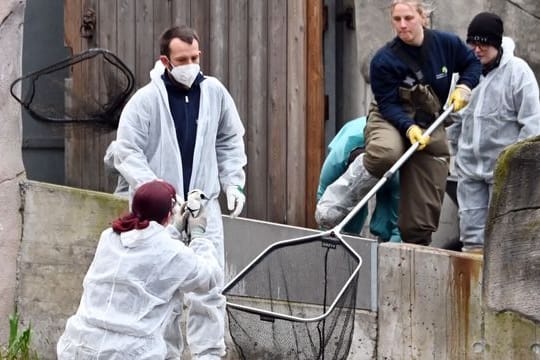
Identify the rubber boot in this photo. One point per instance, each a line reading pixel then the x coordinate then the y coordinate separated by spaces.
pixel 342 195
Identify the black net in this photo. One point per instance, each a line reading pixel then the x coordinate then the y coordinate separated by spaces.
pixel 312 279
pixel 93 86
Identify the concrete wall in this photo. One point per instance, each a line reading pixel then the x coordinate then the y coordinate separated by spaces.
pixel 429 301
pixel 513 232
pixel 60 232
pixel 431 307
pixel 11 166
pixel 447 305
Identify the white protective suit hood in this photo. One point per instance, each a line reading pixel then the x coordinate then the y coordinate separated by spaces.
pixel 504 109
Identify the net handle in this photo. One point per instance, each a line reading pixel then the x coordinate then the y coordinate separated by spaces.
pixel 339 227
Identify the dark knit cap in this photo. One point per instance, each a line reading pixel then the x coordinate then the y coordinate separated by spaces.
pixel 486 28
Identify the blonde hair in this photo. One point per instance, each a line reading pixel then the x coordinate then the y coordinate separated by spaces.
pixel 422 7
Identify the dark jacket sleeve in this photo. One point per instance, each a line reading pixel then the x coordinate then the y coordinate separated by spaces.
pixel 386 75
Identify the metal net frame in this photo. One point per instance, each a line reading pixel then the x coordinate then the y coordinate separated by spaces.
pixel 296 300
pixel 90 87
pixel 274 314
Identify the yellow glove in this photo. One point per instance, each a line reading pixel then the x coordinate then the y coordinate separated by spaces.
pixel 416 135
pixel 460 97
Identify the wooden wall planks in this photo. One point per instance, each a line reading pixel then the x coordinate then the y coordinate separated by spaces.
pixel 260 51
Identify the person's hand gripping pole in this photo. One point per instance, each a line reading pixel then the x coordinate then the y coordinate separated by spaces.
pixel 416 135
pixel 460 97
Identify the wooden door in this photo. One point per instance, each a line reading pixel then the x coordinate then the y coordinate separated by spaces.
pixel 267 53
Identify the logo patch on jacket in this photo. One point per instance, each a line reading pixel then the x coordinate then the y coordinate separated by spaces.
pixel 442 74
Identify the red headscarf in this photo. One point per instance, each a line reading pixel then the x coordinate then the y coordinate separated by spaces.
pixel 153 200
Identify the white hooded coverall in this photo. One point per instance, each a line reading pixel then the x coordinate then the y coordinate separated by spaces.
pixel 146 148
pixel 504 109
pixel 133 295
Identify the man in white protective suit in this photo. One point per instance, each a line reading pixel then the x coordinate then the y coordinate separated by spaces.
pixel 504 108
pixel 183 127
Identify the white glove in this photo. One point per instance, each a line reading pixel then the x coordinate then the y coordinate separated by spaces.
pixel 196 224
pixel 235 200
pixel 190 216
pixel 196 219
pixel 191 207
pixel 194 201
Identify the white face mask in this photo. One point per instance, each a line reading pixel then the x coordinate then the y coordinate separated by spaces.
pixel 185 74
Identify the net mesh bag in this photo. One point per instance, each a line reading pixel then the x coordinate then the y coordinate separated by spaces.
pixel 296 300
pixel 92 86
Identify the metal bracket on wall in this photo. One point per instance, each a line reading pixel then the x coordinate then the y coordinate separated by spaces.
pixel 88 26
pixel 348 16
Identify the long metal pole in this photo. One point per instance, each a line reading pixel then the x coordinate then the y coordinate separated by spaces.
pixel 391 171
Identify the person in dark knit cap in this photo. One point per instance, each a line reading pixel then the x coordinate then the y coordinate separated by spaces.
pixel 486 28
pixel 485 33
pixel 504 109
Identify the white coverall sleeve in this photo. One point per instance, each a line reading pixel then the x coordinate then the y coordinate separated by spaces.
pixel 453 132
pixel 198 267
pixel 131 140
pixel 526 98
pixel 173 232
pixel 231 156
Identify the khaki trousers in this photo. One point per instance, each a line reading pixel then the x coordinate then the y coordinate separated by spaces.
pixel 422 177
